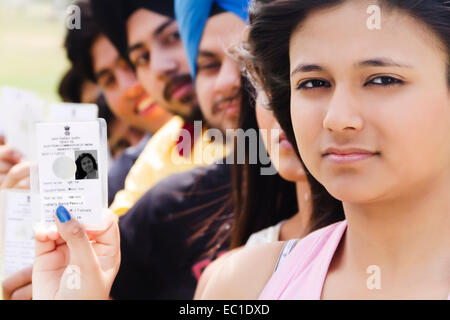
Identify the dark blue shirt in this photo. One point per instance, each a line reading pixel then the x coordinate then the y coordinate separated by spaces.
pixel 120 167
pixel 173 232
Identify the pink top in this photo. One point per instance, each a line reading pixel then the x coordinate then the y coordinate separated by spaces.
pixel 302 274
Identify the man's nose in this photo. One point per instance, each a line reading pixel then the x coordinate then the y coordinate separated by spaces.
pixel 228 82
pixel 134 90
pixel 164 63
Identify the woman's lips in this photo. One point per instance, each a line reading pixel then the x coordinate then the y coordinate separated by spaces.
pixel 283 142
pixel 346 156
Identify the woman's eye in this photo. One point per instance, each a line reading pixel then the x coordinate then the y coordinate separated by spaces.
pixel 142 60
pixel 109 82
pixel 312 84
pixel 384 81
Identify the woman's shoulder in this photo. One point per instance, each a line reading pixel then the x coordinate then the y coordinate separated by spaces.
pixel 236 277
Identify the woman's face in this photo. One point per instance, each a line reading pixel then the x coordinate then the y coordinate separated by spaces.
pixel 370 108
pixel 281 151
pixel 87 165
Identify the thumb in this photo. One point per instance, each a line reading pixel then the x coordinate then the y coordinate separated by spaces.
pixel 81 251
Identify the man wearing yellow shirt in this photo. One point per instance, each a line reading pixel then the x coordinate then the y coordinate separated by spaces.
pixel 162 157
pixel 147 34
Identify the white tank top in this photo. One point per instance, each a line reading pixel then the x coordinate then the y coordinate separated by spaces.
pixel 270 234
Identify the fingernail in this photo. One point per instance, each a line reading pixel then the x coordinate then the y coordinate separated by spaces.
pixel 63 214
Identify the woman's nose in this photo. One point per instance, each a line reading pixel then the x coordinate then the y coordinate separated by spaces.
pixel 343 113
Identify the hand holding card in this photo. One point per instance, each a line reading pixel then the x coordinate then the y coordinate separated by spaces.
pixel 79 260
pixel 74 263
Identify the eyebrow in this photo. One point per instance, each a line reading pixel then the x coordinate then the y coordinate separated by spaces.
pixel 134 47
pixel 381 62
pixel 306 68
pixel 163 26
pixel 377 62
pixel 206 54
pixel 156 33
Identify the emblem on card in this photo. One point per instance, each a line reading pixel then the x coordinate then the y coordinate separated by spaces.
pixel 67 130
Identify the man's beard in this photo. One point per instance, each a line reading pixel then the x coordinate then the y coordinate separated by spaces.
pixel 195 115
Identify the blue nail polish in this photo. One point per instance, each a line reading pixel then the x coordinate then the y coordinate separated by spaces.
pixel 63 214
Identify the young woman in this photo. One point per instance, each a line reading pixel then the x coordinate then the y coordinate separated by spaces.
pixel 86 167
pixel 369 109
pixel 288 166
pixel 286 198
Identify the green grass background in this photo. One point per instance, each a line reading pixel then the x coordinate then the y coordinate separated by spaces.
pixel 32 56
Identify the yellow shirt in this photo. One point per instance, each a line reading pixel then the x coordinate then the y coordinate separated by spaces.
pixel 160 158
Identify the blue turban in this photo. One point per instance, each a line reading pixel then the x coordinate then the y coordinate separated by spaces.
pixel 192 15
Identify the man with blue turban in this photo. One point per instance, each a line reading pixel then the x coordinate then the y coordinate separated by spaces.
pixel 208 29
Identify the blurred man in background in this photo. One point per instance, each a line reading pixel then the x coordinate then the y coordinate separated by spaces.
pixel 146 34
pixel 96 59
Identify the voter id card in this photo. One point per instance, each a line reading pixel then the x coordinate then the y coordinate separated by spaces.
pixel 71 170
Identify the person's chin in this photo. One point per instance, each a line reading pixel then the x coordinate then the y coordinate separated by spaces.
pixel 353 187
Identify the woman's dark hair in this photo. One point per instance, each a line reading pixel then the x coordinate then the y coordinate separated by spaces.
pixel 267 60
pixel 218 214
pixel 69 88
pixel 80 173
pixel 260 200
